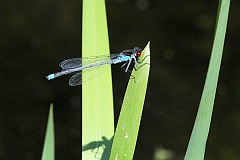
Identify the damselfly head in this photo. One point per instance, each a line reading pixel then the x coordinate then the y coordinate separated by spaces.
pixel 137 51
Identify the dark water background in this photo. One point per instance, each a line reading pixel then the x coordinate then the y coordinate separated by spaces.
pixel 36 35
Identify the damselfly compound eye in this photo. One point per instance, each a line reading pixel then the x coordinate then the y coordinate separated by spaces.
pixel 138 51
pixel 139 54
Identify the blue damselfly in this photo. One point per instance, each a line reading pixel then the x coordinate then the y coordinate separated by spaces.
pixel 75 64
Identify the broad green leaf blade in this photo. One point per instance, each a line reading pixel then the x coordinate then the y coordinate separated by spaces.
pixel 48 148
pixel 129 121
pixel 197 144
pixel 97 98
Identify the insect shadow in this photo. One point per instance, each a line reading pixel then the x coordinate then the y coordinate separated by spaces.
pixel 105 144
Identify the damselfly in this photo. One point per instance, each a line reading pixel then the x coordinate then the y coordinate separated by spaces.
pixel 75 64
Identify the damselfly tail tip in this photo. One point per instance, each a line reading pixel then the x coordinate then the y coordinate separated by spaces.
pixel 51 76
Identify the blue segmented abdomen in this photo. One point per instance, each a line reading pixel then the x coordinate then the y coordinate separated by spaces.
pixel 124 58
pixel 51 76
pixel 121 58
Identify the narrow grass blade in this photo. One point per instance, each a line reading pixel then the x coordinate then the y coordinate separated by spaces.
pixel 197 144
pixel 48 148
pixel 97 98
pixel 129 121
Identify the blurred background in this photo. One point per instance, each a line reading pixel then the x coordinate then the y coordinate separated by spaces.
pixel 35 36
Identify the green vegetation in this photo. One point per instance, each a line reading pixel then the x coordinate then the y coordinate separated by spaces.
pixel 129 121
pixel 197 144
pixel 49 148
pixel 97 98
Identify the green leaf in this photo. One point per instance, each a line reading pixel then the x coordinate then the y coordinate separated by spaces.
pixel 97 98
pixel 48 148
pixel 197 144
pixel 129 121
